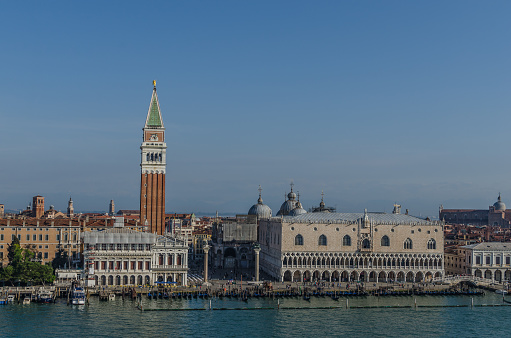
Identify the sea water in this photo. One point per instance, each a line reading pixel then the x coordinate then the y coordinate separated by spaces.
pixel 381 316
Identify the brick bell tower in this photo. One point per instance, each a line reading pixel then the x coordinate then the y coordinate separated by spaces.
pixel 153 166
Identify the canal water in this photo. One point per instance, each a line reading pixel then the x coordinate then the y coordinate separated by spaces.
pixel 122 318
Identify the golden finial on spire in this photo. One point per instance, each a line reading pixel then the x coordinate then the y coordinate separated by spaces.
pixel 154 83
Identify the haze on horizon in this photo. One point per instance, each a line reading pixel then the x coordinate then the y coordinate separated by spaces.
pixel 372 102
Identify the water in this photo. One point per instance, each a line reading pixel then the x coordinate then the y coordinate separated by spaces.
pixel 121 318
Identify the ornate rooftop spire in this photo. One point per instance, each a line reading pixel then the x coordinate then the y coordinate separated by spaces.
pixel 154 119
pixel 260 200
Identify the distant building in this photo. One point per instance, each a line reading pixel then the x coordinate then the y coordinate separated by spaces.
pixel 199 237
pixel 120 256
pixel 111 208
pixel 2 210
pixel 128 213
pixel 70 208
pixel 495 215
pixel 53 214
pixel 37 206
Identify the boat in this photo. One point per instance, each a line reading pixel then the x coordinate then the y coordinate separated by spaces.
pixel 3 301
pixel 11 298
pixel 26 300
pixel 501 292
pixel 78 296
pixel 111 296
pixel 44 297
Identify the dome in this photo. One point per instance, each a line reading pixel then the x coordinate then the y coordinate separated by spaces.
pixel 299 210
pixel 260 210
pixel 499 205
pixel 291 195
pixel 286 208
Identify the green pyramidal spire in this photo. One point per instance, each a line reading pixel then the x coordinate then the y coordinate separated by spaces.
pixel 154 114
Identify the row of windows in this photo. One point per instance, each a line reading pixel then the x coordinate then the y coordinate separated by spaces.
pixel 39 237
pixel 366 243
pixel 125 247
pixel 497 260
pixel 118 265
pixel 27 228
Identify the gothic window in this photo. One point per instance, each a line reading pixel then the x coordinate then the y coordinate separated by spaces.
pixel 408 244
pixel 431 244
pixel 322 240
pixel 346 241
pixel 366 244
pixel 385 241
pixel 299 240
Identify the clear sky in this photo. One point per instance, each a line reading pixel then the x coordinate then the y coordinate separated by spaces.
pixel 374 102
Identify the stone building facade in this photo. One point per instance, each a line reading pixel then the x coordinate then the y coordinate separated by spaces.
pixel 375 247
pixel 120 256
pixel 489 260
pixel 44 237
pixel 232 242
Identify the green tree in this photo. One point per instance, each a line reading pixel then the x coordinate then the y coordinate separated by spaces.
pixel 61 259
pixel 22 268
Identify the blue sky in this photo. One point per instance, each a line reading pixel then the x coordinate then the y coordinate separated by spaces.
pixel 372 102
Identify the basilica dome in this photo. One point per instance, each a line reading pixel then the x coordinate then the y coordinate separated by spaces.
pixel 289 204
pixel 260 209
pixel 499 205
pixel 298 210
pixel 286 208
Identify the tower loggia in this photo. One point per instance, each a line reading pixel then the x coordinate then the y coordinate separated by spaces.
pixel 153 167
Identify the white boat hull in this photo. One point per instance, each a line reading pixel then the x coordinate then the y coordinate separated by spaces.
pixel 78 301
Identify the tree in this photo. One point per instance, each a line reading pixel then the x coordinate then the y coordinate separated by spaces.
pixel 22 268
pixel 14 249
pixel 61 259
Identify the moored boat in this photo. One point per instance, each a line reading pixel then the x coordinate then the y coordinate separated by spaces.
pixel 78 296
pixel 44 297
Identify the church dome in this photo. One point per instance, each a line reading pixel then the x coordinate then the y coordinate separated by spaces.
pixel 286 208
pixel 299 210
pixel 291 196
pixel 260 209
pixel 499 205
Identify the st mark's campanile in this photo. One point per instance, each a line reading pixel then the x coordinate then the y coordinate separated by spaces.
pixel 153 166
